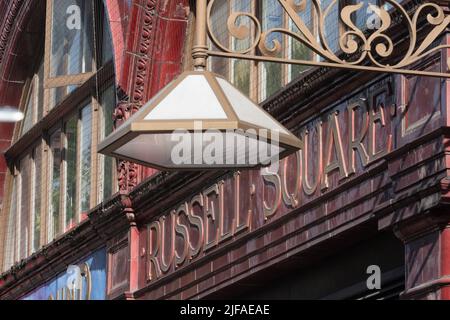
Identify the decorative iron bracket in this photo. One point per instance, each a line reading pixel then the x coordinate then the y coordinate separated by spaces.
pixel 374 50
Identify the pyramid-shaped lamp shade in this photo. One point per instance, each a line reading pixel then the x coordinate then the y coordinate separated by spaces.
pixel 200 121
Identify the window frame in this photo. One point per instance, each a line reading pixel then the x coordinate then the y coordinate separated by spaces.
pixel 65 80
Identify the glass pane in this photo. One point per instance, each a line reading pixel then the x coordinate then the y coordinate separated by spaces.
pixel 272 17
pixel 55 187
pixel 299 51
pixel 28 117
pixel 40 84
pixel 72 37
pixel 57 95
pixel 220 13
pixel 85 159
pixel 107 47
pixel 241 68
pixel 108 105
pixel 37 198
pixel 11 234
pixel 332 25
pixel 25 208
pixel 71 170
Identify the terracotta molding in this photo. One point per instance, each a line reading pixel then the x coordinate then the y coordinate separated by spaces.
pixel 8 24
pixel 131 101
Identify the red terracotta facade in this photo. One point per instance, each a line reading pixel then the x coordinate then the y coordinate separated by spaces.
pixel 374 166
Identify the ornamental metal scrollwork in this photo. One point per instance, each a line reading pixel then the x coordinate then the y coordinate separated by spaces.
pixel 369 50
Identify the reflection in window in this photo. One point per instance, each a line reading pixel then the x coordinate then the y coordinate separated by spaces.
pixel 37 157
pixel 40 95
pixel 298 50
pixel 107 46
pixel 57 95
pixel 28 116
pixel 272 17
pixel 55 184
pixel 107 176
pixel 71 170
pixel 34 108
pixel 241 68
pixel 72 38
pixel 10 254
pixel 332 25
pixel 220 15
pixel 25 208
pixel 85 159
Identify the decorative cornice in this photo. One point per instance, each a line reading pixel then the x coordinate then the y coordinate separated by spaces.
pixel 9 19
pixel 130 103
pixel 144 51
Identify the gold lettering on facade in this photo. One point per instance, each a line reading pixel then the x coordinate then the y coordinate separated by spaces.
pixel 154 234
pixel 308 187
pixel 291 198
pixel 197 222
pixel 223 235
pixel 356 143
pixel 182 231
pixel 165 265
pixel 273 179
pixel 241 226
pixel 211 218
pixel 333 145
pixel 377 119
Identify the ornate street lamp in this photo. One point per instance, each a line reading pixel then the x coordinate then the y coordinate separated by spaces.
pixel 201 121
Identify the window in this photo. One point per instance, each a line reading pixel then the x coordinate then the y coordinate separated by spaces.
pixel 11 255
pixel 36 198
pixel 261 80
pixel 59 176
pixel 271 73
pixel 34 108
pixel 55 185
pixel 85 159
pixel 72 39
pixel 71 169
pixel 25 204
pixel 240 69
pixel 24 223
pixel 298 50
pixel 107 174
pixel 107 48
pixel 69 46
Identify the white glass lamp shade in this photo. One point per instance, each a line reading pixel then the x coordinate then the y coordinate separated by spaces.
pixel 200 121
